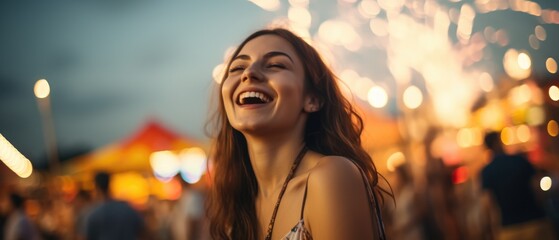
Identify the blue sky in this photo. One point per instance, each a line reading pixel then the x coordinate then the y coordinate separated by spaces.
pixel 112 65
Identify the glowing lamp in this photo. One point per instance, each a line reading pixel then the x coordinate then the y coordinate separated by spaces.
pixel 42 88
pixel 15 161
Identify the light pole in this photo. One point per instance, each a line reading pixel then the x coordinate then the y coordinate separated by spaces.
pixel 42 92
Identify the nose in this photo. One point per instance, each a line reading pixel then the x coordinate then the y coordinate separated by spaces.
pixel 252 72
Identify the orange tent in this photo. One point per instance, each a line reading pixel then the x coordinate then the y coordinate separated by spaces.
pixel 133 153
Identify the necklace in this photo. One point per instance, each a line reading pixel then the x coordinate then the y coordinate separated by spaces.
pixel 287 179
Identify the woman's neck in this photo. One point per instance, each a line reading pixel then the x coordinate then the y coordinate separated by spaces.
pixel 271 161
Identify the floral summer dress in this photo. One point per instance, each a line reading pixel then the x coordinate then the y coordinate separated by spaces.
pixel 299 232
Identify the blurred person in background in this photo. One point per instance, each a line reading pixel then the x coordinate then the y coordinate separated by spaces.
pixel 509 181
pixel 49 219
pixel 82 207
pixel 18 225
pixel 437 195
pixel 440 220
pixel 4 210
pixel 112 219
pixel 409 211
pixel 187 217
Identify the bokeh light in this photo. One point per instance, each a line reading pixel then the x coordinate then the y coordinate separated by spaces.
pixel 377 97
pixel 523 133
pixel 464 138
pixel 379 27
pixel 552 128
pixel 465 23
pixel 554 93
pixel 540 33
pixel 368 8
pixel 524 61
pixel 551 65
pixel 468 137
pixel 193 164
pixel 520 95
pixel 165 164
pixel 486 82
pixel 42 88
pixel 508 136
pixel 394 160
pixel 546 183
pixel 517 64
pixel 412 97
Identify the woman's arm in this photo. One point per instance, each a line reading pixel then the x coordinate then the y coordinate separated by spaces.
pixel 337 203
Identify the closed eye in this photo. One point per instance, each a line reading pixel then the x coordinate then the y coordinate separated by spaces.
pixel 276 65
pixel 237 68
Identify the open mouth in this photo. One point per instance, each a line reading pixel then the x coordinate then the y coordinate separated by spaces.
pixel 253 97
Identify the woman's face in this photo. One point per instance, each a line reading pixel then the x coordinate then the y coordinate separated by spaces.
pixel 264 89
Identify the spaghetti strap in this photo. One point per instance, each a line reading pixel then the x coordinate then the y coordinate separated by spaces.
pixel 375 213
pixel 299 232
pixel 304 197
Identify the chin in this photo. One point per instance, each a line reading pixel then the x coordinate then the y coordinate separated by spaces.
pixel 248 127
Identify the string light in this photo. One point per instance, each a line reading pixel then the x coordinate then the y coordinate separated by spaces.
pixel 15 161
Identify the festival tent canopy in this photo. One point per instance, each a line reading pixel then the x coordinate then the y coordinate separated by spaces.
pixel 133 153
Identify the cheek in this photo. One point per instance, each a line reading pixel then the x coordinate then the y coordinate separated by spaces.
pixel 227 89
pixel 293 90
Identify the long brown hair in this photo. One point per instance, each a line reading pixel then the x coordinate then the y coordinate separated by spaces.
pixel 334 130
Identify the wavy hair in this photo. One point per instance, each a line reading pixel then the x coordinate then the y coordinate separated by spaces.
pixel 333 130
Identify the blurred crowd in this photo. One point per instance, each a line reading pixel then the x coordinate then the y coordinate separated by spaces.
pixel 46 213
pixel 438 204
pixel 506 198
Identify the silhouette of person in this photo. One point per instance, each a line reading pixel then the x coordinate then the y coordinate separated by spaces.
pixel 82 206
pixel 408 213
pixel 508 179
pixel 112 219
pixel 18 225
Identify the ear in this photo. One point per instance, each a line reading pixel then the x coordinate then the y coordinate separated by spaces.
pixel 312 103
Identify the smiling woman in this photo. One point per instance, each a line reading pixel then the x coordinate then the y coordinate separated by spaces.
pixel 288 157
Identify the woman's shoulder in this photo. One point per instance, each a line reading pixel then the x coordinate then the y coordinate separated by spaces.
pixel 334 166
pixel 336 200
pixel 333 175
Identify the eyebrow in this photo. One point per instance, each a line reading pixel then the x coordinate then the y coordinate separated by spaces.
pixel 267 55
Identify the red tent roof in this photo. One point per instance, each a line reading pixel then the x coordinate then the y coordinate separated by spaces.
pixel 132 154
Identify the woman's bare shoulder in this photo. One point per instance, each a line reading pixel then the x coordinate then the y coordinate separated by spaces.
pixel 330 168
pixel 334 175
pixel 337 200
